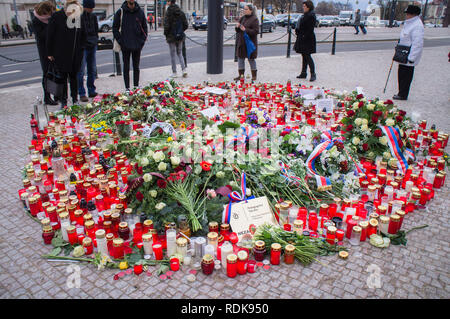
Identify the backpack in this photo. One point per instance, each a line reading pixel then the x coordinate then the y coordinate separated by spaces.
pixel 177 31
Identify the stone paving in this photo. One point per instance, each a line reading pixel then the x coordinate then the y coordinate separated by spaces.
pixel 419 270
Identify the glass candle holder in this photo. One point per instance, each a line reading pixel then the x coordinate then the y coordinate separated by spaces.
pixel 356 236
pixel 207 264
pixel 275 254
pixel 171 242
pixel 383 224
pixel 158 251
pixel 147 240
pixel 242 262
pixel 259 249
pixel 231 265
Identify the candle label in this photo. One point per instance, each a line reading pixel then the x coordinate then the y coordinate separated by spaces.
pixel 253 212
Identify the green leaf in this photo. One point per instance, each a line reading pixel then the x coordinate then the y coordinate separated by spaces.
pixel 56 251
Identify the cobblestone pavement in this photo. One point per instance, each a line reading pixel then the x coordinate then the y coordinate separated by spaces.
pixel 419 270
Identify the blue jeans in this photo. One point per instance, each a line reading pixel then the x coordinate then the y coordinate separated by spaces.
pixel 89 61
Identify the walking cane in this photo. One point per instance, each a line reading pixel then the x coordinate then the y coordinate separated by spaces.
pixel 384 91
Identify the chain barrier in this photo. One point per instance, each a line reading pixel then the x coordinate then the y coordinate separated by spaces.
pixel 206 43
pixel 275 39
pixel 326 37
pixel 18 61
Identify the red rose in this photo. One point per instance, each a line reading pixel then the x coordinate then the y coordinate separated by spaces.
pixel 284 133
pixel 401 113
pixel 359 96
pixel 139 196
pixel 349 128
pixel 350 113
pixel 361 104
pixel 377 113
pixel 375 119
pixel 365 146
pixel 161 183
pixel 172 100
pixel 377 133
pixel 139 170
pixel 388 102
pixel 399 118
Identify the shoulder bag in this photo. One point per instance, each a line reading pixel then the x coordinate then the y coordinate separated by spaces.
pixel 116 45
pixel 401 53
pixel 54 80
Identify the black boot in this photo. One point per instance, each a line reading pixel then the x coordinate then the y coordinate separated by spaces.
pixel 254 74
pixel 313 77
pixel 48 100
pixel 302 75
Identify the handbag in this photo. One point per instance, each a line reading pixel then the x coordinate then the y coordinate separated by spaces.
pixel 401 53
pixel 54 81
pixel 116 45
pixel 249 44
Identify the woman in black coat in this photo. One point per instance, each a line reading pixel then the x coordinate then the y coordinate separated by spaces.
pixel 248 23
pixel 42 13
pixel 306 39
pixel 65 43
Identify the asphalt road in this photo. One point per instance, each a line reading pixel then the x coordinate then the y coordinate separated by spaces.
pixel 156 53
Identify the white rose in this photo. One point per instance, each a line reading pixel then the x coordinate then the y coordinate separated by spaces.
pixel 160 206
pixel 175 160
pixel 365 122
pixel 144 161
pixel 260 113
pixel 233 184
pixel 387 155
pixel 150 153
pixel 153 193
pixel 189 152
pixel 358 121
pixel 248 192
pixel 261 120
pixel 89 106
pixel 220 174
pixel 383 140
pixel 380 103
pixel 147 177
pixel 162 166
pixel 364 128
pixel 356 105
pixel 356 140
pixel 390 122
pixel 371 155
pixel 370 106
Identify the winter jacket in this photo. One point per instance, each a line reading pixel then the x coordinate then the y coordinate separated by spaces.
pixel 40 29
pixel 251 25
pixel 134 30
pixel 90 24
pixel 173 14
pixel 357 18
pixel 412 35
pixel 306 39
pixel 65 44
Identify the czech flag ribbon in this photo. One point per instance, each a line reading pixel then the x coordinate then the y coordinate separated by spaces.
pixel 323 183
pixel 95 113
pixel 393 135
pixel 409 154
pixel 248 134
pixel 288 175
pixel 234 198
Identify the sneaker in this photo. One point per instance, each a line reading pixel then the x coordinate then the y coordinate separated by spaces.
pixel 174 75
pixel 84 99
pixel 185 74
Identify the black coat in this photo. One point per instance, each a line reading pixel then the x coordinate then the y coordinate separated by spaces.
pixel 40 29
pixel 251 24
pixel 173 14
pixel 306 39
pixel 90 25
pixel 65 44
pixel 134 30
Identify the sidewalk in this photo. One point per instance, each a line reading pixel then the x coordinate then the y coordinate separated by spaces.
pixel 419 270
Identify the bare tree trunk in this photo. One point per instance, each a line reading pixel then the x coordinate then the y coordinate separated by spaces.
pixel 446 21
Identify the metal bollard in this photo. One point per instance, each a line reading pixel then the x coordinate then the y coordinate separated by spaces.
pixel 333 48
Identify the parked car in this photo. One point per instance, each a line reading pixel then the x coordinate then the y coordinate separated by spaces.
pixel 202 23
pixel 269 23
pixel 294 19
pixel 385 23
pixel 106 25
pixel 328 21
pixel 279 18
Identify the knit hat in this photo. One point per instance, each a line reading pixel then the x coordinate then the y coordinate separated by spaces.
pixel 90 4
pixel 411 9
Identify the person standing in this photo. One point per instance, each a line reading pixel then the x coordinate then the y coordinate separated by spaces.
pixel 41 14
pixel 30 27
pixel 249 24
pixel 4 32
pixel 130 20
pixel 65 43
pixel 175 23
pixel 150 20
pixel 305 43
pixel 358 24
pixel 90 25
pixel 411 35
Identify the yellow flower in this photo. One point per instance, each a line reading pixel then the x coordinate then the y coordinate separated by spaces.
pixel 169 139
pixel 123 265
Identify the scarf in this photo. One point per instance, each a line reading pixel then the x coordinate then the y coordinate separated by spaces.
pixel 43 19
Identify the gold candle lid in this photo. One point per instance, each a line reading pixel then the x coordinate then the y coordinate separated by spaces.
pixel 395 217
pixel 363 224
pixel 384 220
pixel 212 236
pixel 181 242
pixel 242 255
pixel 117 242
pixel 343 254
pixel 89 224
pixel 87 241
pixel 289 248
pixel 298 223
pixel 100 233
pixel 147 237
pixel 276 247
pixel 232 258
pixel 260 244
pixel 356 229
pixel 208 259
pixel 123 225
pixel 331 230
pixel 373 222
pixel 148 223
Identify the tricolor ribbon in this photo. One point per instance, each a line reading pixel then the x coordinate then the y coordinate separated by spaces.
pixel 409 153
pixel 234 198
pixel 288 175
pixel 323 183
pixel 98 111
pixel 248 134
pixel 393 135
pixel 329 135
